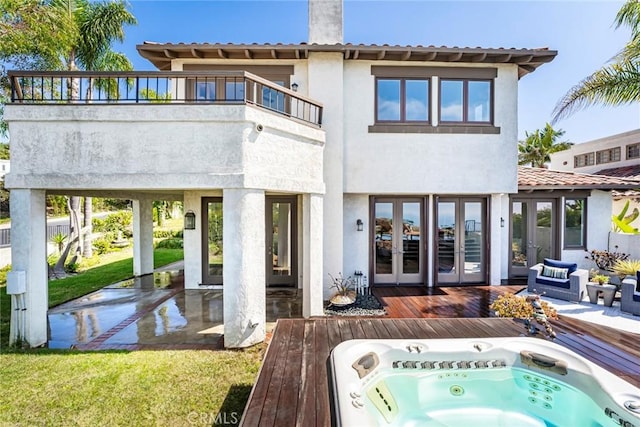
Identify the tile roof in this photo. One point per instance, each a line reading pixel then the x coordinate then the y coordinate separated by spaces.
pixel 545 179
pixel 161 54
pixel 632 171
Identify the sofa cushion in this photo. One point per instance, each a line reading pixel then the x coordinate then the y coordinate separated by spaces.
pixel 636 296
pixel 572 266
pixel 559 283
pixel 555 272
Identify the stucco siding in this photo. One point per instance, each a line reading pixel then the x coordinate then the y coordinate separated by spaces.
pixel 402 163
pixel 161 147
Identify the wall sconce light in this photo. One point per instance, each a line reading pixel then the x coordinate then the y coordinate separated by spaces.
pixel 359 225
pixel 294 87
pixel 501 222
pixel 189 221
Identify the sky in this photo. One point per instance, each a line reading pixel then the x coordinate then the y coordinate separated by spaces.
pixel 582 32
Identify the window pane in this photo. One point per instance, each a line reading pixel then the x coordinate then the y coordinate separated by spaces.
pixel 234 90
pixel 272 98
pixel 388 99
pixel 451 101
pixel 574 223
pixel 479 101
pixel 206 91
pixel 417 100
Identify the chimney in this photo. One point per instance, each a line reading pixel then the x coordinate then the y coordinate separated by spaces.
pixel 325 21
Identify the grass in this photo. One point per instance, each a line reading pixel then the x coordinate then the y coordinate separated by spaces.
pixel 144 388
pixel 113 269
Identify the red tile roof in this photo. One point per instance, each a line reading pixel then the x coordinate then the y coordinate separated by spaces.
pixel 545 179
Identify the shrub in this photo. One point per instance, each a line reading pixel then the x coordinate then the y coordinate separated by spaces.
pixel 510 305
pixel 72 267
pixel 119 221
pixel 89 262
pixel 3 274
pixel 163 234
pixel 98 225
pixel 171 243
pixel 102 246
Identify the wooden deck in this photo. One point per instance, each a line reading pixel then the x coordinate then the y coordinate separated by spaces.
pixel 293 389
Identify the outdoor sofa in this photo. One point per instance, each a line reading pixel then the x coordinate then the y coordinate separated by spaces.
pixel 630 295
pixel 558 279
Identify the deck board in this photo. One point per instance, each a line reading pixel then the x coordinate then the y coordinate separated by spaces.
pixel 293 387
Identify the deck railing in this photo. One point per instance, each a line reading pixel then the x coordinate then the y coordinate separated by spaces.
pixel 153 87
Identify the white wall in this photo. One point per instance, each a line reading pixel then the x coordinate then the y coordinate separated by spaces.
pixel 598 227
pixel 396 163
pixel 626 243
pixel 564 160
pixel 161 147
pixel 356 243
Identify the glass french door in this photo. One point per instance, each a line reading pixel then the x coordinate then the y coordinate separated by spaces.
pixel 533 233
pixel 398 250
pixel 212 244
pixel 461 234
pixel 281 241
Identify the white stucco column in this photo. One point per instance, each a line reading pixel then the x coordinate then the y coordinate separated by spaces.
pixel 312 288
pixel 29 254
pixel 498 230
pixel 142 237
pixel 243 268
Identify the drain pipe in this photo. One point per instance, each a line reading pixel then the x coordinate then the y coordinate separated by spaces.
pixel 17 287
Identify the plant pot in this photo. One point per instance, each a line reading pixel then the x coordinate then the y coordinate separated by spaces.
pixel 593 290
pixel 343 299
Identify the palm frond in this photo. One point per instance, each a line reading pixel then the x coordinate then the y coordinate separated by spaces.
pixel 615 84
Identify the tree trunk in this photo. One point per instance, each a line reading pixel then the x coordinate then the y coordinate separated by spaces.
pixel 74 218
pixel 87 247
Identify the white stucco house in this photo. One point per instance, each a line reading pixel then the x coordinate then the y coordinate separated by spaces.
pixel 297 161
pixel 615 155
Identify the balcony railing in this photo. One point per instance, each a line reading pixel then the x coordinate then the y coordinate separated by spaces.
pixel 215 87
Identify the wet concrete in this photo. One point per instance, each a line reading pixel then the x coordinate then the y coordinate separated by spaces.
pixel 153 310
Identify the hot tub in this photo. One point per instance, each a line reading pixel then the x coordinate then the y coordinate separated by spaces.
pixel 481 382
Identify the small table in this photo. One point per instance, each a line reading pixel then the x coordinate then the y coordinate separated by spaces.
pixel 608 293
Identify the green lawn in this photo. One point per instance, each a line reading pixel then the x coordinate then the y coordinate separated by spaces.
pixel 143 388
pixel 92 279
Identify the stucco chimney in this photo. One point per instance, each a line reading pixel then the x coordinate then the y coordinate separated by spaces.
pixel 325 21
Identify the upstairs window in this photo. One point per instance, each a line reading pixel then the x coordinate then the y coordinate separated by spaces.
pixel 466 101
pixel 608 156
pixel 633 151
pixel 582 160
pixel 402 100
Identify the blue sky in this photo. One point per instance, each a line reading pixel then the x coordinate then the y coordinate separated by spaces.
pixel 581 31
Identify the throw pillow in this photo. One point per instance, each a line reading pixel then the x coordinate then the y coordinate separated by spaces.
pixel 555 272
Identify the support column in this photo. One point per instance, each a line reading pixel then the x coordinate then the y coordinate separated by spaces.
pixel 29 254
pixel 312 288
pixel 142 237
pixel 243 270
pixel 499 229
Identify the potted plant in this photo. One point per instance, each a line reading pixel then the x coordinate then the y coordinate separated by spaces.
pixel 626 267
pixel 598 284
pixel 345 294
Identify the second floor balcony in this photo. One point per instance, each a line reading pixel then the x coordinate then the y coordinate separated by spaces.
pixel 159 130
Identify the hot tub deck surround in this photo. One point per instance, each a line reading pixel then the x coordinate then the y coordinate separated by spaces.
pixel 293 389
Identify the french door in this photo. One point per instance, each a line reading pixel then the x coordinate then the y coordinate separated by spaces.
pixel 461 237
pixel 533 233
pixel 398 241
pixel 281 232
pixel 212 243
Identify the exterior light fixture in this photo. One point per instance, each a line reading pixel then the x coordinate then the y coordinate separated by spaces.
pixel 501 222
pixel 359 225
pixel 294 87
pixel 190 221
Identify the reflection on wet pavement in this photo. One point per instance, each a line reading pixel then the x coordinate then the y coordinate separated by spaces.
pixel 152 310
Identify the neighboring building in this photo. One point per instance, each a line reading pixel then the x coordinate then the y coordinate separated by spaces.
pixel 615 156
pixel 397 161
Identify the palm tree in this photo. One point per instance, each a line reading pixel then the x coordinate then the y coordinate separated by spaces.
pixel 617 83
pixel 95 27
pixel 538 146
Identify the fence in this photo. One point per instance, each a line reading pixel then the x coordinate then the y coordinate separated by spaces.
pixel 52 230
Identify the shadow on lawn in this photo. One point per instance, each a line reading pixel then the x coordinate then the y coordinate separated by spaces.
pixel 233 405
